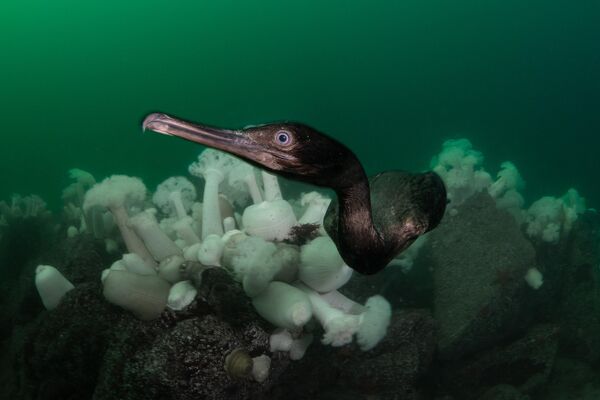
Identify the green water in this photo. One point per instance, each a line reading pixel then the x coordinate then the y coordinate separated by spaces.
pixel 392 79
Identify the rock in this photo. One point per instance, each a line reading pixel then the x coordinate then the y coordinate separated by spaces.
pixel 221 293
pixel 61 351
pixel 504 392
pixel 23 244
pixel 525 364
pixel 83 258
pixel 22 241
pixel 393 368
pixel 408 290
pixel 33 339
pixel 399 360
pixel 88 348
pixel 572 379
pixel 183 362
pixel 579 300
pixel 479 259
pixel 80 259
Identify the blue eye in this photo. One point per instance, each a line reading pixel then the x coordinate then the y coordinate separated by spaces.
pixel 283 138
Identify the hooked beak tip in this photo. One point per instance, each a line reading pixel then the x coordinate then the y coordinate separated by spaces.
pixel 157 122
pixel 147 123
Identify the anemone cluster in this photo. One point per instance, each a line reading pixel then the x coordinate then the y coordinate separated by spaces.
pixel 461 168
pixel 21 207
pixel 276 249
pixel 31 206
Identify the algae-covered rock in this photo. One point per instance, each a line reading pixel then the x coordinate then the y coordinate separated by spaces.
pixel 504 392
pixel 479 258
pixel 578 304
pixel 183 362
pixel 393 369
pixel 525 364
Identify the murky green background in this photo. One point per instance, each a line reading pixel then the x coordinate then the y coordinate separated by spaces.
pixel 392 79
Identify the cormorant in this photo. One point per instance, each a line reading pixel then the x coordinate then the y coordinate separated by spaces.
pixel 373 219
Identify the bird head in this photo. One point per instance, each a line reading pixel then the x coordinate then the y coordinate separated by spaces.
pixel 290 149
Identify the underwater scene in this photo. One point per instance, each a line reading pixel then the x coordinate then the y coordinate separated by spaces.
pixel 300 200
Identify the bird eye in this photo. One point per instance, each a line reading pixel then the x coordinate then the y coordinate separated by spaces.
pixel 283 138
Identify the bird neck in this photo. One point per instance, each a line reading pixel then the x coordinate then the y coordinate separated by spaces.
pixel 359 239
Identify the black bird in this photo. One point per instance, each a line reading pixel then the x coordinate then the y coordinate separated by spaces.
pixel 373 219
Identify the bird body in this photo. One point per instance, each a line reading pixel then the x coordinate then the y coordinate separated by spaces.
pixel 402 207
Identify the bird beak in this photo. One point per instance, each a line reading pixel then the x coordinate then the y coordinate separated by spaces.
pixel 235 142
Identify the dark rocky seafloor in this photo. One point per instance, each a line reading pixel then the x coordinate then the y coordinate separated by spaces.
pixel 465 324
